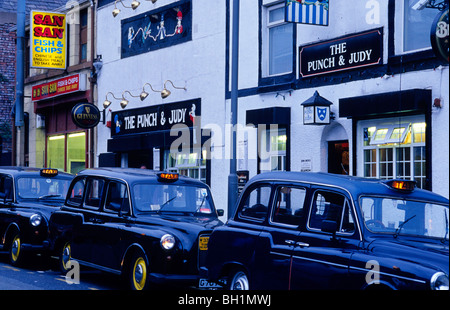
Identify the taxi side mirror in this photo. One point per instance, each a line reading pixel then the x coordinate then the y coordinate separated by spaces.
pixel 220 212
pixel 329 226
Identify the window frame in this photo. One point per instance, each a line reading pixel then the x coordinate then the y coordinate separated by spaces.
pixel 276 195
pixel 266 25
pixel 244 218
pixel 127 191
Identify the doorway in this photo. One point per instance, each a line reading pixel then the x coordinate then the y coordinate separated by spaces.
pixel 338 157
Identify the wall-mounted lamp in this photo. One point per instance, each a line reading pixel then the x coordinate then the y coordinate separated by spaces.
pixel 165 92
pixel 316 110
pixel 144 94
pixel 124 101
pixel 107 103
pixel 134 6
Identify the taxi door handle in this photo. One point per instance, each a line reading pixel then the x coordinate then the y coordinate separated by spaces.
pixel 300 244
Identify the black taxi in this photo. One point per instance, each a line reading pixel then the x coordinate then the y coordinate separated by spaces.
pixel 28 196
pixel 303 230
pixel 151 227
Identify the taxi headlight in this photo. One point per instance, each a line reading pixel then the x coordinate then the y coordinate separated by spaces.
pixel 35 220
pixel 439 282
pixel 167 242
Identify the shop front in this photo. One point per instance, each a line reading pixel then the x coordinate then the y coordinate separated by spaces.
pixel 64 146
pixel 160 137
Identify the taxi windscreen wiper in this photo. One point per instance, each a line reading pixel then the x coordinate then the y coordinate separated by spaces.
pixel 49 196
pixel 164 204
pixel 399 228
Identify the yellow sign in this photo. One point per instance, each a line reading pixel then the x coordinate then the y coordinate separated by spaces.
pixel 203 243
pixel 48 40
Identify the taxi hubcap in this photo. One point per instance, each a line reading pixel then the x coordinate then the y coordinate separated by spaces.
pixel 240 282
pixel 66 255
pixel 15 248
pixel 140 273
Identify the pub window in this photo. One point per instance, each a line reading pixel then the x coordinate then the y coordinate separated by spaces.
pixel 67 152
pixel 278 39
pixel 189 164
pixel 395 150
pixel 416 27
pixel 273 144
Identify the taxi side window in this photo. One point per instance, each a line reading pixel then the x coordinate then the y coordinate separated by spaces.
pixel 6 187
pixel 331 206
pixel 94 191
pixel 76 193
pixel 289 205
pixel 256 203
pixel 117 198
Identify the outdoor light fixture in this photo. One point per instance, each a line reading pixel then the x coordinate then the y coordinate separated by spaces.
pixel 107 103
pixel 124 101
pixel 316 110
pixel 165 92
pixel 144 94
pixel 153 1
pixel 116 11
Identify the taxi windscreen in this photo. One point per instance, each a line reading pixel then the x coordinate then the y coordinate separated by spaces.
pixel 405 217
pixel 172 198
pixel 36 187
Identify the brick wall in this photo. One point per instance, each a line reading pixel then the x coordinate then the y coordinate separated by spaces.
pixel 7 83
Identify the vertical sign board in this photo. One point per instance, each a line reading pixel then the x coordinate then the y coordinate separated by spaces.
pixel 307 12
pixel 48 40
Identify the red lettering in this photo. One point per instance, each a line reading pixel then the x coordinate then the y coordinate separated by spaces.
pixel 58 21
pixel 58 32
pixel 48 20
pixel 38 31
pixel 38 19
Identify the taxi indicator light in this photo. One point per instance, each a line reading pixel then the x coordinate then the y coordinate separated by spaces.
pixel 47 172
pixel 402 185
pixel 168 177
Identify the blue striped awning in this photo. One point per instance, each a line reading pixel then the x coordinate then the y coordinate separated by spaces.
pixel 307 12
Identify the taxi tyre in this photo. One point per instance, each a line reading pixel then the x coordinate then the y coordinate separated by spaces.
pixel 137 272
pixel 16 255
pixel 238 280
pixel 65 254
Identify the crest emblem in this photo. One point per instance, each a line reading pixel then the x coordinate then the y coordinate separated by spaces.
pixel 322 113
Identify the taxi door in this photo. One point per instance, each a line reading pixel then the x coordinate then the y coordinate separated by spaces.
pixel 281 235
pixel 321 257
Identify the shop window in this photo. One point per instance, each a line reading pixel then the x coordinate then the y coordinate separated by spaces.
pixel 67 152
pixel 395 150
pixel 273 145
pixel 416 27
pixel 192 165
pixel 55 151
pixel 278 41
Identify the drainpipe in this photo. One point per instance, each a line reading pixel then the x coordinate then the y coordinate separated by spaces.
pixel 20 68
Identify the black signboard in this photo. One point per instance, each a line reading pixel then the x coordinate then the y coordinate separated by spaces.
pixel 156 118
pixel 85 115
pixel 155 29
pixel 349 52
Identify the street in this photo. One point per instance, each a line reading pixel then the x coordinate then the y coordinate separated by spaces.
pixel 40 274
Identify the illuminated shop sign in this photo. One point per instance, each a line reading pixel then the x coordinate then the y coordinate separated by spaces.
pixel 349 52
pixel 62 86
pixel 48 40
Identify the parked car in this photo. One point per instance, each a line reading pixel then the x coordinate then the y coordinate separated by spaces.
pixel 294 230
pixel 151 227
pixel 28 196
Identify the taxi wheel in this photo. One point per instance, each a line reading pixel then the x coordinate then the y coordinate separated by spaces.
pixel 65 255
pixel 15 250
pixel 238 281
pixel 137 272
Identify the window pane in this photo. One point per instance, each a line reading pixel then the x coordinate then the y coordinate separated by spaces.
pixel 280 49
pixel 55 152
pixel 76 152
pixel 276 15
pixel 256 204
pixel 419 132
pixel 289 206
pixel 417 25
pixel 327 206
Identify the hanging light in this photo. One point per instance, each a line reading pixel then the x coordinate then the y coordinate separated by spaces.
pixel 107 103
pixel 124 101
pixel 165 92
pixel 144 94
pixel 134 6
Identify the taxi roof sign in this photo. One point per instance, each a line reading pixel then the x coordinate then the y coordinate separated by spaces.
pixel 168 177
pixel 49 172
pixel 402 185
